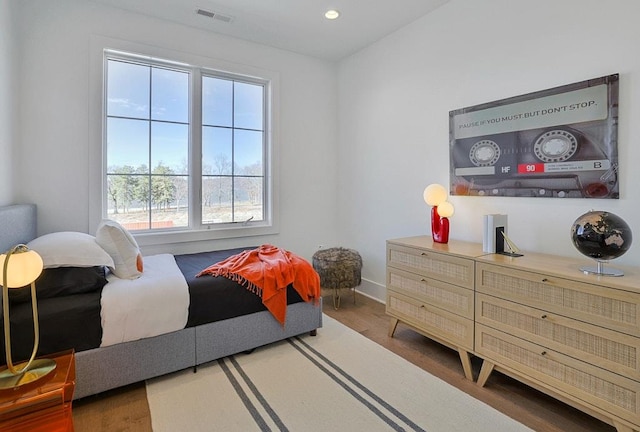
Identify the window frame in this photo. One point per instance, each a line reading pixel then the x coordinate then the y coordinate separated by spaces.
pixel 101 48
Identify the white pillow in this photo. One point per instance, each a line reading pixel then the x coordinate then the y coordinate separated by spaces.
pixel 70 249
pixel 122 247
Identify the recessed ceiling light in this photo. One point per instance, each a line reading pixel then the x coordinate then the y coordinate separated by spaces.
pixel 331 14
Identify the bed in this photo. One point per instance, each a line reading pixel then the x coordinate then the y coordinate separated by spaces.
pixel 220 321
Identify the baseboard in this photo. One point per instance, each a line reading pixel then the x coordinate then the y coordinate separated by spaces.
pixel 373 290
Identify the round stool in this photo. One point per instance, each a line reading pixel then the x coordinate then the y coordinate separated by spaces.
pixel 338 268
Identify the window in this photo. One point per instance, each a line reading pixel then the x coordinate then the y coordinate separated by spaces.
pixel 186 147
pixel 232 150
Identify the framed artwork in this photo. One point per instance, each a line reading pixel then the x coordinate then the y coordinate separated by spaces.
pixel 555 143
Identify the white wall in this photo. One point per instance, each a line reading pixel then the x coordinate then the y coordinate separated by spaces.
pixel 395 97
pixel 54 39
pixel 373 135
pixel 6 103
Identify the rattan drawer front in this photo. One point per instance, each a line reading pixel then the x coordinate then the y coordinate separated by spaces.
pixel 599 305
pixel 455 270
pixel 609 349
pixel 443 295
pixel 431 320
pixel 577 380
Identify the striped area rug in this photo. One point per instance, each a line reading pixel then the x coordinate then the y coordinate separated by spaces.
pixel 336 381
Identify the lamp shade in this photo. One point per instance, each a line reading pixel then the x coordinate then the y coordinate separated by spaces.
pixel 435 194
pixel 445 209
pixel 24 267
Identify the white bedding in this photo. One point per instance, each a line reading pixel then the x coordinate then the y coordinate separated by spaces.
pixel 155 303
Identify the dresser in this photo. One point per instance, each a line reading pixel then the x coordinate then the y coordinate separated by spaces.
pixel 536 318
pixel 572 335
pixel 430 287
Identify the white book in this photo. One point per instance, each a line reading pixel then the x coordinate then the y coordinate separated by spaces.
pixel 491 239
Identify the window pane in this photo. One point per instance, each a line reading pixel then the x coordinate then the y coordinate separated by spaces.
pixel 249 193
pixel 168 211
pixel 248 106
pixel 170 95
pixel 217 101
pixel 127 90
pixel 128 195
pixel 127 143
pixel 216 151
pixel 248 153
pixel 180 202
pixel 216 200
pixel 169 200
pixel 170 146
pixel 121 190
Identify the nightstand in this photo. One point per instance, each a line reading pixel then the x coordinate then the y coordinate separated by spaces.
pixel 46 407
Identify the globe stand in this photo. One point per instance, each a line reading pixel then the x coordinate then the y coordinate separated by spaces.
pixel 600 270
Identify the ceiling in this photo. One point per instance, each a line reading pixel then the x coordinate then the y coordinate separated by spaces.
pixel 294 25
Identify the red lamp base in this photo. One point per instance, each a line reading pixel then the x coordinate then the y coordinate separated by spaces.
pixel 439 226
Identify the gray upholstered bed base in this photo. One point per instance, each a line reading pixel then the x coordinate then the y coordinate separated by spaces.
pixel 106 368
pixel 114 366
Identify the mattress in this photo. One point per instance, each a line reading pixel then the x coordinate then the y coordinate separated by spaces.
pixel 217 298
pixel 65 322
pixel 74 321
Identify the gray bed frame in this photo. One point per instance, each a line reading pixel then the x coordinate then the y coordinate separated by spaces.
pixel 106 368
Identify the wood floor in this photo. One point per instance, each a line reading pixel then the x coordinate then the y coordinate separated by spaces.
pixel 126 409
pixel 528 406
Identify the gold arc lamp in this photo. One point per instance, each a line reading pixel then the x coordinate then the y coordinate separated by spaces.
pixel 21 266
pixel 436 195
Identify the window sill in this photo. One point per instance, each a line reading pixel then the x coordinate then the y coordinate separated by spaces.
pixel 169 237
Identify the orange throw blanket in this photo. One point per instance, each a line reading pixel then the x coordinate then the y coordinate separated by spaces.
pixel 267 271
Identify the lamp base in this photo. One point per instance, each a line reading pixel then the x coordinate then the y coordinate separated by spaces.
pixel 38 370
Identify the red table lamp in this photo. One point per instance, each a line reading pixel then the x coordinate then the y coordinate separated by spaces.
pixel 435 195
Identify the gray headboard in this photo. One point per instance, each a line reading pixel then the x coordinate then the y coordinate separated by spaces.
pixel 18 224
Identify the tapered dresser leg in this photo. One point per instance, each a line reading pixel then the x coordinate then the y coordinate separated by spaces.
pixel 485 371
pixel 392 326
pixel 465 358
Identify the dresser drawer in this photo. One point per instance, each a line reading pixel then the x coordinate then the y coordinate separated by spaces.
pixel 609 349
pixel 599 305
pixel 449 297
pixel 431 320
pixel 447 268
pixel 578 380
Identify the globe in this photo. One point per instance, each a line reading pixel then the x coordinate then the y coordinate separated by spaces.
pixel 602 236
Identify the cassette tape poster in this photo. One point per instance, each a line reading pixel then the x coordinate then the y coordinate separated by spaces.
pixel 559 143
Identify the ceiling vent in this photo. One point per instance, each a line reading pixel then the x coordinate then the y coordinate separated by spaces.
pixel 214 15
